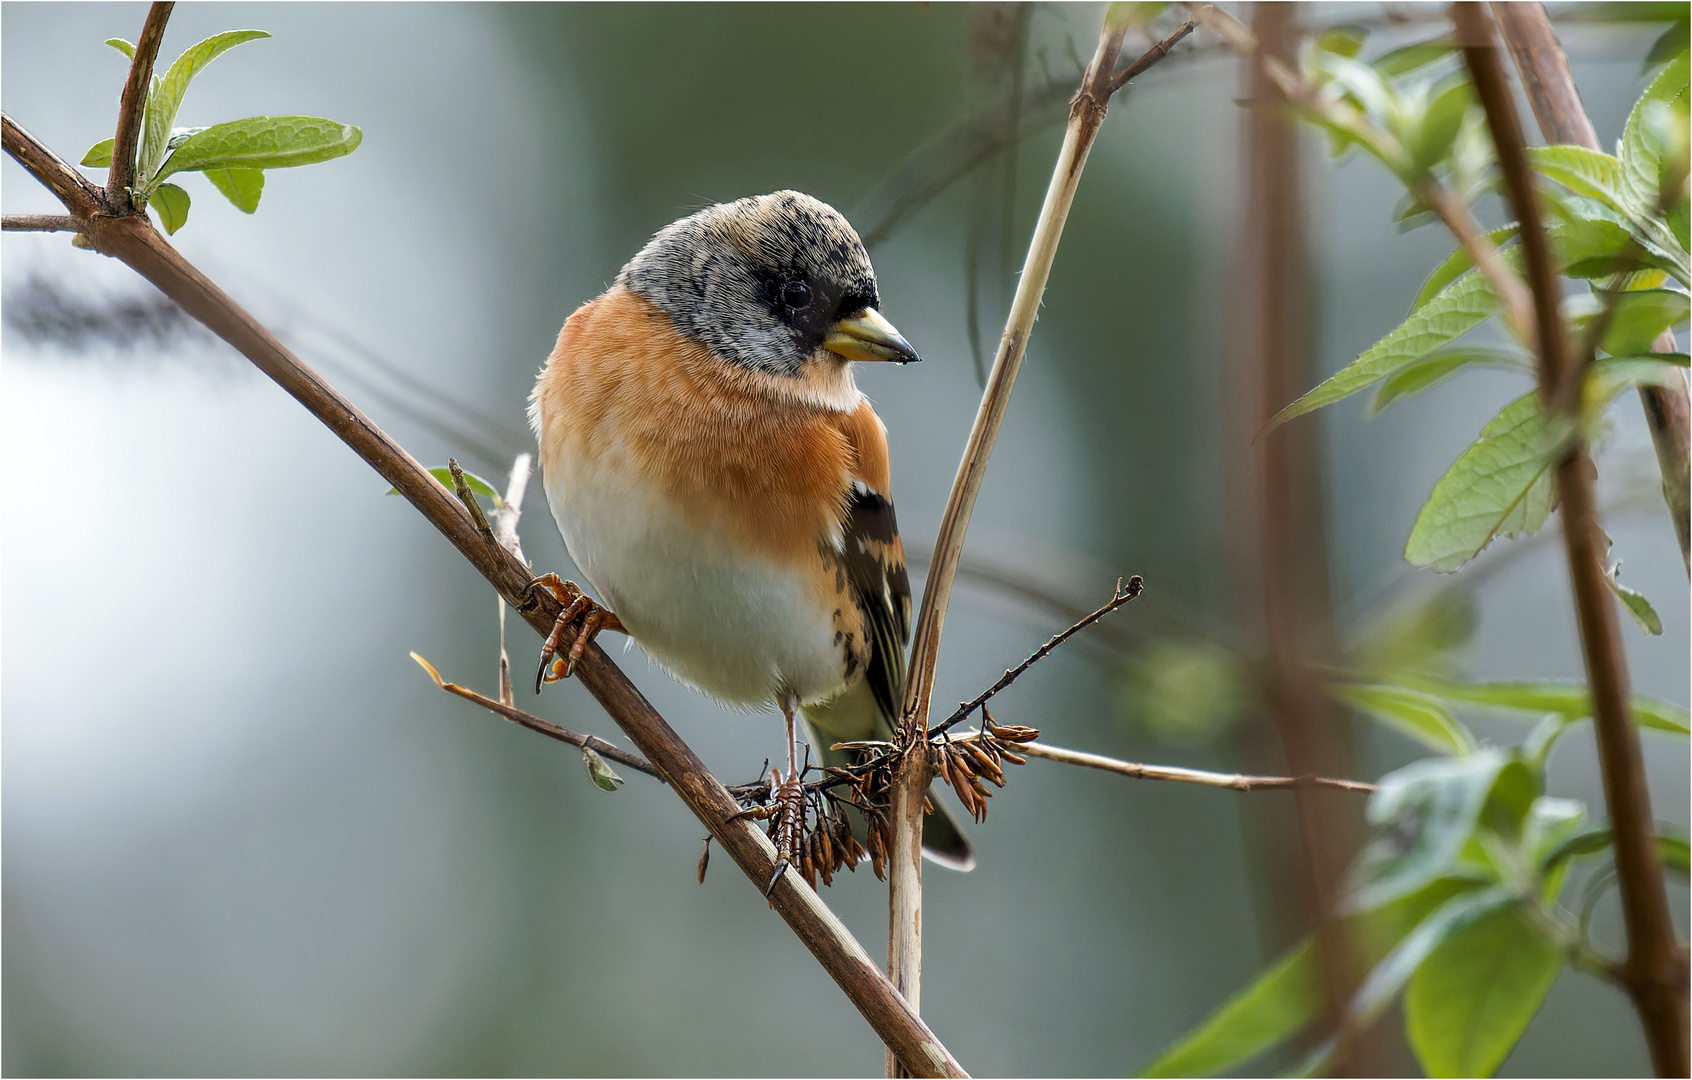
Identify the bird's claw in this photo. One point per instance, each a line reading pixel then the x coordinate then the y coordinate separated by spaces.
pixel 559 655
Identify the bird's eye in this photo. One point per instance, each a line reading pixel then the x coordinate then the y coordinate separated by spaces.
pixel 796 294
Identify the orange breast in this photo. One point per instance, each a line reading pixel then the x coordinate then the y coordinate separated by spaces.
pixel 728 447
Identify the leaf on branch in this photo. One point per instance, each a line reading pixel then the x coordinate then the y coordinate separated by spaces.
pixel 1571 700
pixel 601 774
pixel 165 100
pixel 122 46
pixel 1421 716
pixel 1437 127
pixel 1455 265
pixel 1673 42
pixel 1500 486
pixel 1638 318
pixel 171 203
pixel 240 186
pixel 1634 603
pixel 1275 1006
pixel 1584 171
pixel 1459 308
pixel 1407 58
pixel 476 483
pixel 1434 368
pixel 99 155
pixel 1473 996
pixel 1640 153
pixel 264 142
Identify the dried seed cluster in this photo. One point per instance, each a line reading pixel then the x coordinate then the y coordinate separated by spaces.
pixel 964 763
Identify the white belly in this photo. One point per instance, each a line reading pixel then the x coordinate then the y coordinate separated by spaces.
pixel 738 626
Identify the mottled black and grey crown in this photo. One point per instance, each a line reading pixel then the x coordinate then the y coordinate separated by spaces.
pixel 760 280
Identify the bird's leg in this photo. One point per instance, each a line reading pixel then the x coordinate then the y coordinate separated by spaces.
pixel 789 795
pixel 577 605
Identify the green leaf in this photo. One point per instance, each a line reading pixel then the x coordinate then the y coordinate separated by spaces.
pixel 171 202
pixel 264 142
pixel 1610 375
pixel 1419 637
pixel 1473 996
pixel 1499 486
pixel 1573 700
pixel 601 773
pixel 1459 308
pixel 1641 157
pixel 1274 1007
pixel 1671 44
pixel 1551 825
pixel 1344 41
pixel 1639 317
pixel 1673 850
pixel 1421 716
pixel 166 100
pixel 1421 818
pixel 1634 603
pixel 1131 14
pixel 1592 173
pixel 1441 364
pixel 1455 265
pixel 99 155
pixel 240 186
pixel 122 46
pixel 1440 123
pixel 1407 58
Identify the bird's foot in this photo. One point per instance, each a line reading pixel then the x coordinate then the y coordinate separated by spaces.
pixel 579 623
pixel 788 824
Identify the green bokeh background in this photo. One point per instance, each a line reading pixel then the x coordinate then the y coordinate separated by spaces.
pixel 244 835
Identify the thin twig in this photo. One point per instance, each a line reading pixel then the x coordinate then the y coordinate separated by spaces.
pixel 1122 595
pixel 461 487
pixel 1551 90
pixel 545 727
pixel 1151 56
pixel 39 223
pixel 135 242
pixel 1655 970
pixel 131 110
pixel 1232 781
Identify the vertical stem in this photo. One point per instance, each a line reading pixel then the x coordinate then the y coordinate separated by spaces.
pixel 1544 71
pixel 1086 114
pixel 1291 534
pixel 1654 970
pixel 133 105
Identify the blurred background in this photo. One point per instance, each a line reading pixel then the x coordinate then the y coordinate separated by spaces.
pixel 243 834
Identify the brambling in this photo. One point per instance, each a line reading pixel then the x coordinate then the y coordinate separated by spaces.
pixel 724 485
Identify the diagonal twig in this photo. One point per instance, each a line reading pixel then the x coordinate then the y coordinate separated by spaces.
pixel 132 108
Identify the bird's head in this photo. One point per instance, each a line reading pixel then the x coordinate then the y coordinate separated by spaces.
pixel 777 284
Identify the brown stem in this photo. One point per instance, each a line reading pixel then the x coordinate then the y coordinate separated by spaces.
pixel 1654 970
pixel 39 223
pixel 1151 56
pixel 1232 781
pixel 1551 90
pixel 131 110
pixel 135 242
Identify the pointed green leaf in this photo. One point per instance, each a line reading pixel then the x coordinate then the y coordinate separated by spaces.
pixel 1407 58
pixel 166 101
pixel 171 203
pixel 1573 700
pixel 240 186
pixel 264 142
pixel 1638 317
pixel 1274 1007
pixel 1441 364
pixel 1342 40
pixel 471 480
pixel 1634 603
pixel 1440 123
pixel 1671 44
pixel 1499 486
pixel 1592 173
pixel 1613 374
pixel 1455 265
pixel 1459 308
pixel 122 46
pixel 601 774
pixel 1472 997
pixel 1421 716
pixel 1641 157
pixel 99 155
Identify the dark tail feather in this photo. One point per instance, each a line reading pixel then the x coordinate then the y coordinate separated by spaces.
pixel 942 841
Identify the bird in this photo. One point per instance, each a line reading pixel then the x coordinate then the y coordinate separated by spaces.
pixel 724 485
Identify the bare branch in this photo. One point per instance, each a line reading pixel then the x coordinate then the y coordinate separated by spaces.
pixel 1151 56
pixel 1122 596
pixel 1232 781
pixel 1654 971
pixel 39 223
pixel 131 109
pixel 133 240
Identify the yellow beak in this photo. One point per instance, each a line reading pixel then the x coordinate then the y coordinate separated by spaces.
pixel 865 335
